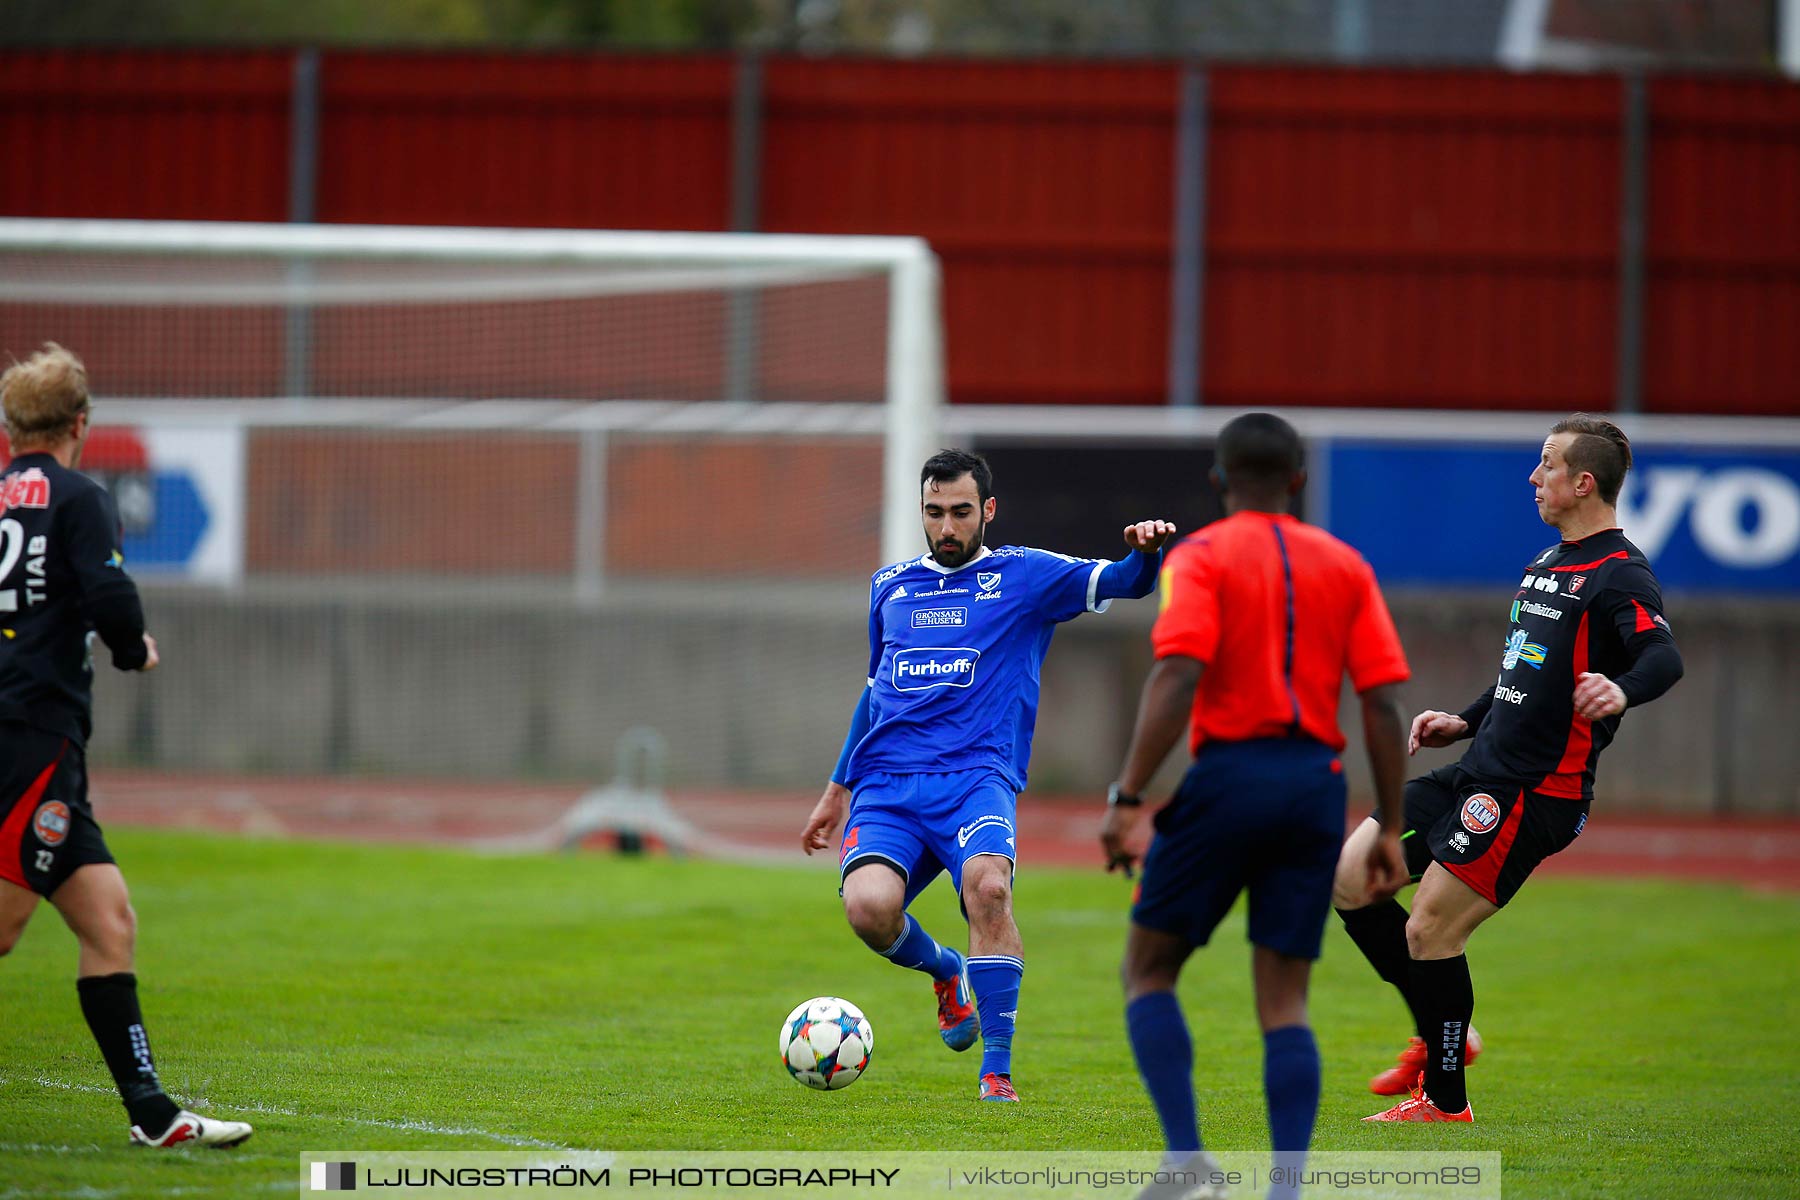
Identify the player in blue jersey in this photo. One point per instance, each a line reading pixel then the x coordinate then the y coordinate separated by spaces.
pixel 940 740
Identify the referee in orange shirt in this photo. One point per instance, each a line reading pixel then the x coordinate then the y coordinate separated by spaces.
pixel 1262 617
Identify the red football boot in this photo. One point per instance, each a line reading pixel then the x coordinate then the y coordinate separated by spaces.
pixel 997 1087
pixel 958 1022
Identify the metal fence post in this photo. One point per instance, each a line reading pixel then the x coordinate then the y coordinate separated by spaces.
pixel 303 187
pixel 1628 378
pixel 745 316
pixel 1187 265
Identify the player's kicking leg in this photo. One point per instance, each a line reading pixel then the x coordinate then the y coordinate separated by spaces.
pixel 875 903
pixel 884 863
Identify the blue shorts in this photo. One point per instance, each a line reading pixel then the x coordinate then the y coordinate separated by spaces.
pixel 1265 816
pixel 921 824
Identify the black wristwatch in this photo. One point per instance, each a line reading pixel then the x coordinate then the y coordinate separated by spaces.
pixel 1116 798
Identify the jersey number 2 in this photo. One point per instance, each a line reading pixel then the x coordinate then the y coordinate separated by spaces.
pixel 12 544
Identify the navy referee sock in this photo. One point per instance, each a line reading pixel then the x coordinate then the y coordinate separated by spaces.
pixel 1291 1082
pixel 1165 1057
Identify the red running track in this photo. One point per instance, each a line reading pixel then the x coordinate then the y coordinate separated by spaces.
pixel 1757 853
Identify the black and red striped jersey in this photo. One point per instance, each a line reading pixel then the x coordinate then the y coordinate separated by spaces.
pixel 62 575
pixel 1592 605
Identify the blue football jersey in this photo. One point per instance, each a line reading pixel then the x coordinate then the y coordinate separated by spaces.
pixel 954 658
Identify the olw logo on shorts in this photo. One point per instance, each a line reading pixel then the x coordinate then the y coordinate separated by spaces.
pixel 1480 813
pixel 51 823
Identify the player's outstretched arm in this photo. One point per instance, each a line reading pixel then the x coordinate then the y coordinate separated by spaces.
pixel 1134 576
pixel 827 815
pixel 1434 728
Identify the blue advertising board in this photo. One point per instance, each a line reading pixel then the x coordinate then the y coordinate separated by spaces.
pixel 179 494
pixel 1710 518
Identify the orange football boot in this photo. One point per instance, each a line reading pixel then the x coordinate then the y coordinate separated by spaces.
pixel 1418 1107
pixel 1397 1080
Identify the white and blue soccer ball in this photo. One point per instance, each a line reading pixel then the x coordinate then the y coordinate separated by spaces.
pixel 826 1043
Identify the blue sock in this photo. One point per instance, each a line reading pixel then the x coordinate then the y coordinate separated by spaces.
pixel 1291 1081
pixel 1165 1058
pixel 995 980
pixel 919 951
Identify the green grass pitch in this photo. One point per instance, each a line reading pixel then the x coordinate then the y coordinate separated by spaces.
pixel 1642 1037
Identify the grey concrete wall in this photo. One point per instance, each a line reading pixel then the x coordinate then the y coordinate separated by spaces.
pixel 753 689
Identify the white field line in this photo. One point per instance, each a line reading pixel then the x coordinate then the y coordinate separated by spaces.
pixel 505 1139
pixel 89 1192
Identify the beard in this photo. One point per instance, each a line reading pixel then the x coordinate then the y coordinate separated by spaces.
pixel 952 559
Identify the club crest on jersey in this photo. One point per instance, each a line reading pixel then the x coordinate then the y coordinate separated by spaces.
pixel 29 488
pixel 1518 650
pixel 923 667
pixel 1480 813
pixel 51 824
pixel 1575 583
pixel 989 580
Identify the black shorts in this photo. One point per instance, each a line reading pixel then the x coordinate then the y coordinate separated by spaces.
pixel 1489 835
pixel 47 829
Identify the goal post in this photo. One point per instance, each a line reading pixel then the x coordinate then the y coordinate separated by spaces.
pixel 299 270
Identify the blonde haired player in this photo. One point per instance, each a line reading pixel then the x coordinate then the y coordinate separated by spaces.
pixel 62 577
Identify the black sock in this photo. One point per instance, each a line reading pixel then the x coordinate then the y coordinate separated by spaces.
pixel 110 1004
pixel 1447 1000
pixel 1379 931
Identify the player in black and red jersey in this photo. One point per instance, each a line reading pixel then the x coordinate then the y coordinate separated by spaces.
pixel 62 580
pixel 1587 640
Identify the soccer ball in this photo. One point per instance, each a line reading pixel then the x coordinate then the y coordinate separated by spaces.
pixel 826 1043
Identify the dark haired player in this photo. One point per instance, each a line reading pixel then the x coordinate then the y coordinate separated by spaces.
pixel 941 737
pixel 62 579
pixel 1262 618
pixel 1587 639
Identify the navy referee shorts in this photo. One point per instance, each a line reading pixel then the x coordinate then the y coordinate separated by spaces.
pixel 1264 817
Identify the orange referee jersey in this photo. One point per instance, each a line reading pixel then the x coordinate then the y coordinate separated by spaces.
pixel 1278 611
